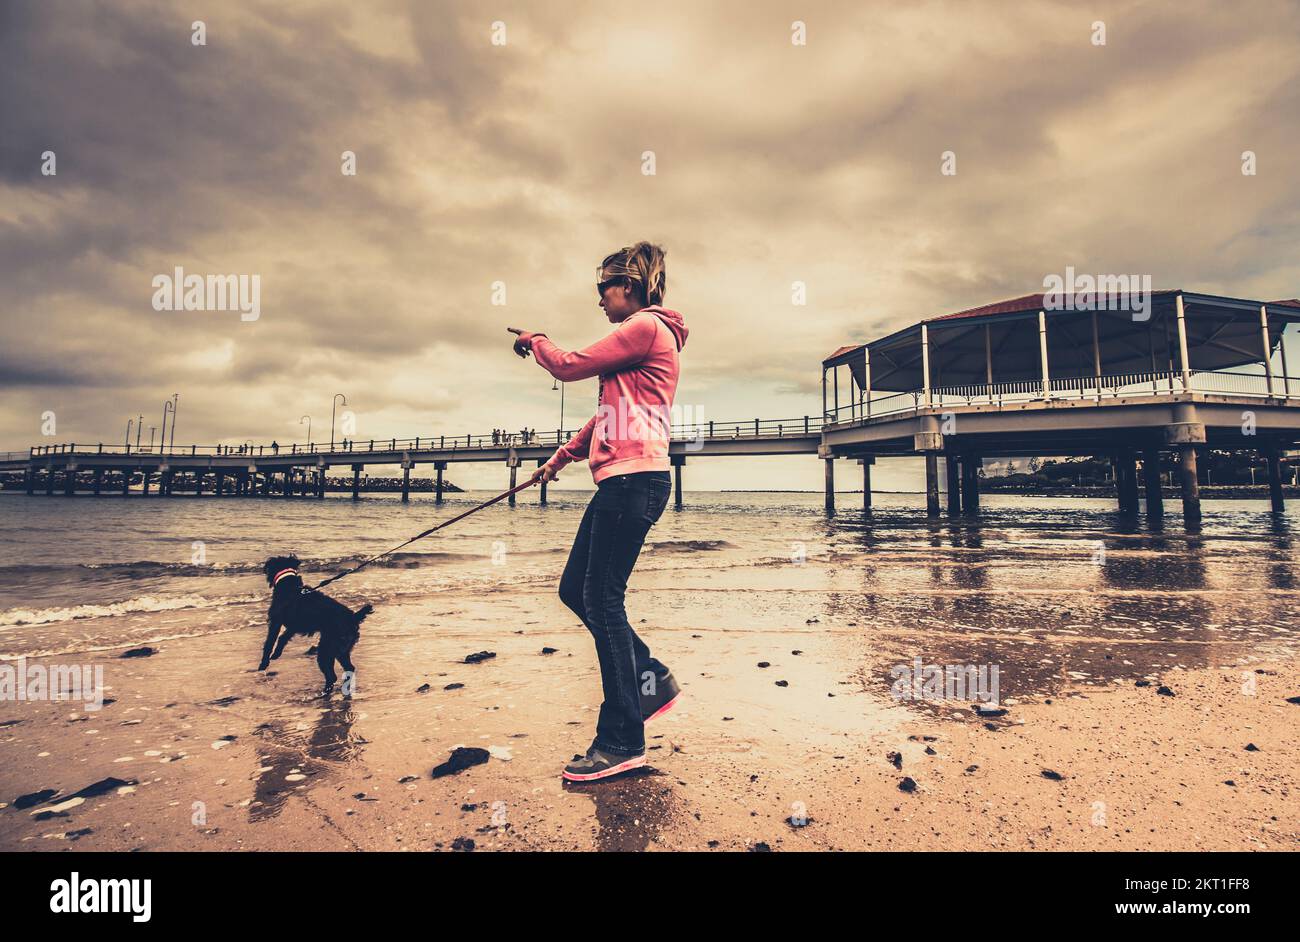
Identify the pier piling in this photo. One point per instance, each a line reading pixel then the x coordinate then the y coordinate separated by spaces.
pixel 955 480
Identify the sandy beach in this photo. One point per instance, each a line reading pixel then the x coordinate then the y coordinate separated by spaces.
pixel 1174 732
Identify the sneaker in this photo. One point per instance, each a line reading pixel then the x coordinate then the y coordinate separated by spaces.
pixel 596 764
pixel 666 693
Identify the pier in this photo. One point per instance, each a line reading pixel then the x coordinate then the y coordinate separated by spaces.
pixel 1141 387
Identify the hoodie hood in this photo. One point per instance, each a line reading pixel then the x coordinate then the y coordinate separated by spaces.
pixel 672 320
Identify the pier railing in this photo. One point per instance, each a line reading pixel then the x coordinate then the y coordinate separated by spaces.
pixel 797 427
pixel 1118 386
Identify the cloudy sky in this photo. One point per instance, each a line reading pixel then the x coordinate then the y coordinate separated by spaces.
pixel 521 163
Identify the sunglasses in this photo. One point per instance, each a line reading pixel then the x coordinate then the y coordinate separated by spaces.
pixel 600 288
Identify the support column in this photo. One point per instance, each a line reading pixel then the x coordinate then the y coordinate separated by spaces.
pixel 830 484
pixel 514 471
pixel 69 481
pixel 1129 502
pixel 1151 475
pixel 49 481
pixel 1191 486
pixel 144 483
pixel 29 478
pixel 220 486
pixel 677 462
pixel 542 499
pixel 955 483
pixel 439 467
pixel 126 481
pixel 1042 354
pixel 97 481
pixel 1274 458
pixel 1268 349
pixel 320 483
pixel 1182 362
pixel 970 483
pixel 356 482
pixel 931 484
pixel 406 483
pixel 866 482
pixel 198 483
pixel 288 483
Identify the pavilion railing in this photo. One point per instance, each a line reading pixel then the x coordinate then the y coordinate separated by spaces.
pixel 1115 386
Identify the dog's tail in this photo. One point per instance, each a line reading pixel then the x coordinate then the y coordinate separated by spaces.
pixel 361 613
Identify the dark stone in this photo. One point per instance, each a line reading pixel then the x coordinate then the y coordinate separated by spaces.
pixel 405 778
pixel 764 664
pixel 1164 691
pixel 1143 683
pixel 480 656
pixel 929 751
pixel 971 768
pixel 895 759
pixel 1054 776
pixel 907 784
pixel 796 653
pixel 760 848
pixel 549 650
pixel 423 688
pixel 1251 747
pixel 463 843
pixel 103 786
pixel 79 833
pixel 783 683
pixel 1295 700
pixel 139 652
pixel 453 687
pixel 462 757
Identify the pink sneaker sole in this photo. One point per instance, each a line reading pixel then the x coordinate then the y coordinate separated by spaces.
pixel 635 762
pixel 664 709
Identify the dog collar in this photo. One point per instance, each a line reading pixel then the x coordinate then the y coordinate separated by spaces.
pixel 281 574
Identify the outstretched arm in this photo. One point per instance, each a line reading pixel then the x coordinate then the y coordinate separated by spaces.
pixel 626 345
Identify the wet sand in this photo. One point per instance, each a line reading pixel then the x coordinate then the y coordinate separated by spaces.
pixel 222 758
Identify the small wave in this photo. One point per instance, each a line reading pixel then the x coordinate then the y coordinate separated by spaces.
pixel 145 603
pixel 690 546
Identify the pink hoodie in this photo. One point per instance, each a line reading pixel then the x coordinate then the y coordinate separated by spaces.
pixel 638 367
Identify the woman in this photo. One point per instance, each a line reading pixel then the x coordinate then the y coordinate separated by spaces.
pixel 626 447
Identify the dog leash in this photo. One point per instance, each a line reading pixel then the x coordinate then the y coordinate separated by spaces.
pixel 419 536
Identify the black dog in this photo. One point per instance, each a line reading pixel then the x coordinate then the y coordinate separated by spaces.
pixel 305 614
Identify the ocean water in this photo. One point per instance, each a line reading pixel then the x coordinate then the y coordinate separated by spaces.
pixel 1059 588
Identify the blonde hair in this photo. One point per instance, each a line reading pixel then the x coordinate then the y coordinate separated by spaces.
pixel 643 267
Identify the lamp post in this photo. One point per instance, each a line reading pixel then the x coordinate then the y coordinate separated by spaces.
pixel 129 423
pixel 558 385
pixel 152 429
pixel 333 406
pixel 308 418
pixel 176 397
pixel 167 406
pixel 139 425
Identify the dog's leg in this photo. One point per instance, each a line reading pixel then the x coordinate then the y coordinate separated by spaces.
pixel 273 628
pixel 279 647
pixel 325 661
pixel 344 657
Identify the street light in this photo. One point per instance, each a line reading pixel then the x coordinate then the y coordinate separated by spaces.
pixel 152 429
pixel 167 405
pixel 308 418
pixel 176 397
pixel 333 405
pixel 558 385
pixel 129 423
pixel 139 424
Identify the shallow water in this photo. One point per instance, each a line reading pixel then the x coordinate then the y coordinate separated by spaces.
pixel 1053 590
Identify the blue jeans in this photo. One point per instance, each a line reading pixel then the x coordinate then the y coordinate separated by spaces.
pixel 609 540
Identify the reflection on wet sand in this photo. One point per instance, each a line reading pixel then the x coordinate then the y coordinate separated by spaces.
pixel 290 762
pixel 1109 599
pixel 633 809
